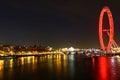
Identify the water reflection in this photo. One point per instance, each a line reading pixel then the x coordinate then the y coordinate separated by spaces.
pixel 1 64
pixel 1 68
pixel 105 68
pixel 71 66
pixel 60 67
pixel 25 60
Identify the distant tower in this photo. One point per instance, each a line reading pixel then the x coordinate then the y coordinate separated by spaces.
pixel 110 31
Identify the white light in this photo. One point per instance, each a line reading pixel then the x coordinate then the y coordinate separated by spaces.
pixel 71 49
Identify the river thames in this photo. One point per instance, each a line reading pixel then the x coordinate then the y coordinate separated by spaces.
pixel 60 67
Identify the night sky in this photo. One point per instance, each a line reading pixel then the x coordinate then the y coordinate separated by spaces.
pixel 56 23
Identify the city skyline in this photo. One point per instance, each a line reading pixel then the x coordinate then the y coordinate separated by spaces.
pixel 54 23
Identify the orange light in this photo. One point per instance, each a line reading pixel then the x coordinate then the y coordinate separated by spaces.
pixel 1 64
pixel 22 60
pixel 11 63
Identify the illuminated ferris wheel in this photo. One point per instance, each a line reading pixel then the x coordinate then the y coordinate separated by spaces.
pixel 110 31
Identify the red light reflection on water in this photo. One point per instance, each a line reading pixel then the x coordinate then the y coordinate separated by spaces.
pixel 100 68
pixel 103 68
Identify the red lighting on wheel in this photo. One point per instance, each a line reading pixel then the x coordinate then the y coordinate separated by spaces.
pixel 109 31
